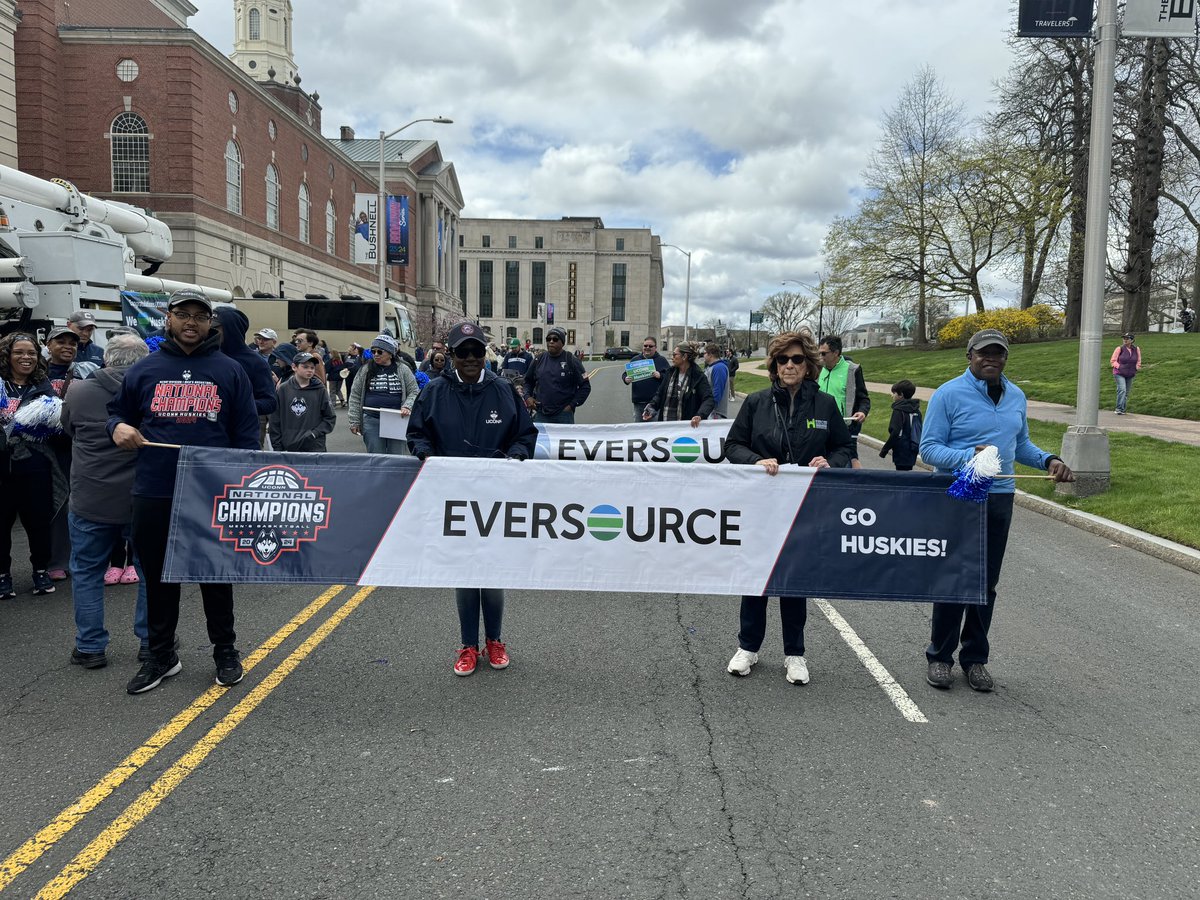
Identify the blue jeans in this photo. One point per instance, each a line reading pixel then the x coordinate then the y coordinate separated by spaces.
pixel 559 418
pixel 91 547
pixel 1124 383
pixel 470 601
pixel 377 444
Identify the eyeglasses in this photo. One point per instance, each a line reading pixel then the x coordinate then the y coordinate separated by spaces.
pixel 796 359
pixel 198 318
pixel 649 346
pixel 555 338
pixel 470 350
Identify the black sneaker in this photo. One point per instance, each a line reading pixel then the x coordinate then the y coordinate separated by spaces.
pixel 88 660
pixel 6 588
pixel 229 666
pixel 979 678
pixel 151 674
pixel 144 654
pixel 940 675
pixel 42 583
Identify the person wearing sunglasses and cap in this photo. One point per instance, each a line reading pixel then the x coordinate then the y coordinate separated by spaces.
pixel 790 423
pixel 556 384
pixel 474 413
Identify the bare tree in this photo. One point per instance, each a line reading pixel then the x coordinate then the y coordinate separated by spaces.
pixel 788 311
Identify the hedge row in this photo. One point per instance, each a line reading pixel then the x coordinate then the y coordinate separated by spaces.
pixel 1039 322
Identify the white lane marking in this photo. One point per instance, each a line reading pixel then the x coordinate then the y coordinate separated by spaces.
pixel 554 769
pixel 445 781
pixel 891 687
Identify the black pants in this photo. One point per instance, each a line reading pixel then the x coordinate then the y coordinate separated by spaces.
pixel 974 620
pixel 28 496
pixel 151 520
pixel 793 611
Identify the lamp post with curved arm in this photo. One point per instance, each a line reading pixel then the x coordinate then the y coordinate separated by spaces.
pixel 687 296
pixel 381 210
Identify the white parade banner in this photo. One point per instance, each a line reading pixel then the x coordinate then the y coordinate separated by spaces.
pixel 590 527
pixel 1160 18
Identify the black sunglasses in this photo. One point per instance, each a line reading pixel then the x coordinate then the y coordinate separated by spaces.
pixel 554 337
pixel 796 359
pixel 469 350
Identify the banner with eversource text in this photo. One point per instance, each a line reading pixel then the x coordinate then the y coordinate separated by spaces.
pixel 245 516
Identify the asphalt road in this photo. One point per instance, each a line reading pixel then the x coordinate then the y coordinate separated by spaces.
pixel 615 757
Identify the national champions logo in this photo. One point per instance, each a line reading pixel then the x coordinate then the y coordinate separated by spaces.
pixel 272 510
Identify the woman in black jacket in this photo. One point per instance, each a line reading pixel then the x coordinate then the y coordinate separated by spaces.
pixel 789 423
pixel 683 394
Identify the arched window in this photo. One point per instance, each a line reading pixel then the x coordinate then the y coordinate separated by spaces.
pixel 272 197
pixel 330 228
pixel 305 214
pixel 233 178
pixel 130 139
pixel 255 25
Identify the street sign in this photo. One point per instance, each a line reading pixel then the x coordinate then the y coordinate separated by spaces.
pixel 756 318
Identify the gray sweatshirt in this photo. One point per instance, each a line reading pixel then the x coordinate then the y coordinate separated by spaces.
pixel 302 418
pixel 101 472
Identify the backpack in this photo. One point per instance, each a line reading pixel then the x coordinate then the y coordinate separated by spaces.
pixel 914 431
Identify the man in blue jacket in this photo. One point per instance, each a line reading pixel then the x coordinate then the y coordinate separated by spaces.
pixel 556 384
pixel 189 392
pixel 979 408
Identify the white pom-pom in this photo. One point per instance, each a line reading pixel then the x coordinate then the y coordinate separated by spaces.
pixel 985 463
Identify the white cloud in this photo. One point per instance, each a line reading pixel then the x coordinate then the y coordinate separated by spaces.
pixel 736 130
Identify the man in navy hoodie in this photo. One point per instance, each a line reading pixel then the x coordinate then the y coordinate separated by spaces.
pixel 233 324
pixel 189 392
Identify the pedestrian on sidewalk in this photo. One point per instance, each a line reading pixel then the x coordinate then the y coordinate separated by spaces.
pixel 904 430
pixel 1126 362
pixel 966 414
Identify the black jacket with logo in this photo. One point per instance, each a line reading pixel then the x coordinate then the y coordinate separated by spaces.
pixel 772 424
pixel 486 419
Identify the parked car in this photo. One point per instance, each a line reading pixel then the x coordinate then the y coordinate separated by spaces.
pixel 619 353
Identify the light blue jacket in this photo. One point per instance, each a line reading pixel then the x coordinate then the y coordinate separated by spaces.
pixel 961 416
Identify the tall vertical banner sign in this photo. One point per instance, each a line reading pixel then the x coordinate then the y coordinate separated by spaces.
pixel 1160 18
pixel 365 242
pixel 1055 18
pixel 397 230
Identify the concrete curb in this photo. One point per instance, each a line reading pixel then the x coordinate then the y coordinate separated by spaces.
pixel 1160 548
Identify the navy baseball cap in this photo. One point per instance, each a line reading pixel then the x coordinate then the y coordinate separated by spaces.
pixel 463 332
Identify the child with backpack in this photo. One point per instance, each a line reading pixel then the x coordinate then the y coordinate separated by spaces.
pixel 904 430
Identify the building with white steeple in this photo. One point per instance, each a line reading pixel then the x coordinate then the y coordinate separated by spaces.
pixel 262 39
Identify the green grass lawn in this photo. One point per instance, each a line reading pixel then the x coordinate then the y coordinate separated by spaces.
pixel 1168 385
pixel 1154 486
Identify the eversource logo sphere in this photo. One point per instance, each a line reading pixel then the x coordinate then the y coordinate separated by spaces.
pixel 605 523
pixel 685 449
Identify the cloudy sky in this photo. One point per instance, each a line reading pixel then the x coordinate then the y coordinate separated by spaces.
pixel 736 129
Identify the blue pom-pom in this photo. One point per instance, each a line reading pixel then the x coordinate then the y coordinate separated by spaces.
pixel 154 342
pixel 969 486
pixel 422 379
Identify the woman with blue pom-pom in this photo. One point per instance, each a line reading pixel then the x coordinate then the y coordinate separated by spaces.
pixel 32 486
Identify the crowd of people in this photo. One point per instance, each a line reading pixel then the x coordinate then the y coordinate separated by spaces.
pixel 72 413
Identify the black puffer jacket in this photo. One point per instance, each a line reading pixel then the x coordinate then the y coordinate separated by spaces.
pixel 772 424
pixel 486 419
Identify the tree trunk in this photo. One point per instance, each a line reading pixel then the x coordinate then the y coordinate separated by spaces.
pixel 1145 185
pixel 1081 124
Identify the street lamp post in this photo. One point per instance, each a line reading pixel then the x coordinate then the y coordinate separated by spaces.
pixel 381 209
pixel 687 296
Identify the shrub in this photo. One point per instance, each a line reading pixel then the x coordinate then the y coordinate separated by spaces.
pixel 1018 325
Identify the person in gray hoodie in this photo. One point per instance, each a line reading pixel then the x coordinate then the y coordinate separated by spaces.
pixel 304 414
pixel 101 505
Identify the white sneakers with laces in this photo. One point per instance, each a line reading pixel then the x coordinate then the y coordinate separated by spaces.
pixel 741 662
pixel 796 668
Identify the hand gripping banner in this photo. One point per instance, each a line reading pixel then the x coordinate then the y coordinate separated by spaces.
pixel 245 516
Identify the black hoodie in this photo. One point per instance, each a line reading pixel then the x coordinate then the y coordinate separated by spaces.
pixel 234 326
pixel 903 452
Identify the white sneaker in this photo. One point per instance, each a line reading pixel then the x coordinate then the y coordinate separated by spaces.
pixel 796 668
pixel 741 662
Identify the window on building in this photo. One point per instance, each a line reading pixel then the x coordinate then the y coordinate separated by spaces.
pixel 272 197
pixel 130 139
pixel 485 289
pixel 233 178
pixel 618 293
pixel 537 288
pixel 537 336
pixel 462 283
pixel 538 243
pixel 510 331
pixel 460 240
pixel 624 338
pixel 487 240
pixel 255 25
pixel 330 228
pixel 571 337
pixel 512 242
pixel 512 289
pixel 305 205
pixel 621 246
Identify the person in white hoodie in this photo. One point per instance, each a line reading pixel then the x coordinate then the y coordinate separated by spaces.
pixel 304 414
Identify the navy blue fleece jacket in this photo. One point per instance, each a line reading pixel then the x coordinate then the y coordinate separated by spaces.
pixel 234 326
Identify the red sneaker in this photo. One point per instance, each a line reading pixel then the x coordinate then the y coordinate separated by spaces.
pixel 468 658
pixel 497 654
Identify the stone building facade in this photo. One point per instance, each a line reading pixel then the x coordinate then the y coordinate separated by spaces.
pixel 605 284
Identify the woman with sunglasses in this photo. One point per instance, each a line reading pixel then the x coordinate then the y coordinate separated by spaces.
pixel 474 413
pixel 684 394
pixel 383 383
pixel 789 423
pixel 30 478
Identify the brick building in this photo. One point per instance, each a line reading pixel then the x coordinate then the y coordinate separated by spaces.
pixel 123 99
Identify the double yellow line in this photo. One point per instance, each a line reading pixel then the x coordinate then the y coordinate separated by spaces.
pixel 95 852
